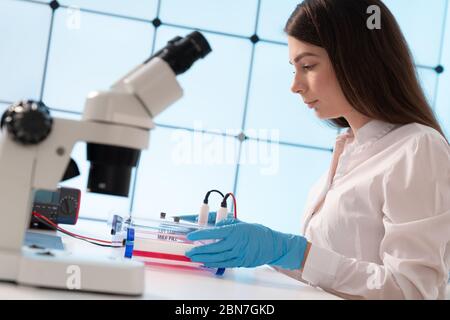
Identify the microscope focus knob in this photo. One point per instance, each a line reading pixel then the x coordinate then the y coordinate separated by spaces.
pixel 28 122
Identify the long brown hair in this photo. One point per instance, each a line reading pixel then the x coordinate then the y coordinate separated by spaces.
pixel 374 67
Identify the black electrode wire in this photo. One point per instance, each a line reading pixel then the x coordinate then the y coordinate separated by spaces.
pixel 205 201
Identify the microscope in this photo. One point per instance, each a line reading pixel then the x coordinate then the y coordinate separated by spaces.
pixel 35 154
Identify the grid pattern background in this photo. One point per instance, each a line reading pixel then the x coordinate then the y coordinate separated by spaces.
pixel 57 52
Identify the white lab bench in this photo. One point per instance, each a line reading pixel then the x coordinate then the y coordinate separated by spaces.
pixel 182 284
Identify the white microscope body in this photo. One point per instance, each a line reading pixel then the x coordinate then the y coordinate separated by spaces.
pixel 120 117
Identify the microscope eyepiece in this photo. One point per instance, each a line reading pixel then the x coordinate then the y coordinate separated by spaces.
pixel 200 42
pixel 181 53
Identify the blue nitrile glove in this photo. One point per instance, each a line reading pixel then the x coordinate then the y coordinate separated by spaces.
pixel 194 217
pixel 247 245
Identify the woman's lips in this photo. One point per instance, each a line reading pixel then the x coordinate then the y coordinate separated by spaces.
pixel 311 103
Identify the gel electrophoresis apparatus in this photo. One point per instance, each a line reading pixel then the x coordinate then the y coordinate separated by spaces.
pixel 159 242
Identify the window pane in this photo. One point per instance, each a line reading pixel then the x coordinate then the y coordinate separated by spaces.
pixel 22 62
pixel 179 168
pixel 421 22
pixel 92 57
pixel 65 115
pixel 443 95
pixel 273 106
pixel 284 190
pixel 427 78
pixel 94 205
pixel 145 9
pixel 3 107
pixel 214 88
pixel 273 17
pixel 231 16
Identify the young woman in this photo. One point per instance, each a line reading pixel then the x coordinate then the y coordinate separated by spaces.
pixel 377 224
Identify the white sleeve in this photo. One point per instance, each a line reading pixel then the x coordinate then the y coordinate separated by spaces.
pixel 415 249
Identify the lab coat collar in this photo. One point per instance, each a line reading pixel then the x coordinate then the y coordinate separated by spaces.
pixel 371 131
pixel 365 137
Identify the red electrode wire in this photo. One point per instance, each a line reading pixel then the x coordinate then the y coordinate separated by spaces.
pixel 234 204
pixel 39 216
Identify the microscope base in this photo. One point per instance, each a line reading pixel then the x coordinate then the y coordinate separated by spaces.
pixel 10 263
pixel 68 271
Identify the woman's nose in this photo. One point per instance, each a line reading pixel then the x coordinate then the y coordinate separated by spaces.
pixel 297 86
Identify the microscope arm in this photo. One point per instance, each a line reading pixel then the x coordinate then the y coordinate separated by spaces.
pixel 53 154
pixel 136 98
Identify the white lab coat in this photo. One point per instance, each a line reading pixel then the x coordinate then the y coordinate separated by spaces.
pixel 379 218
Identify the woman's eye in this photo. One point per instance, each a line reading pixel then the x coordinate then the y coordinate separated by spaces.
pixel 307 67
